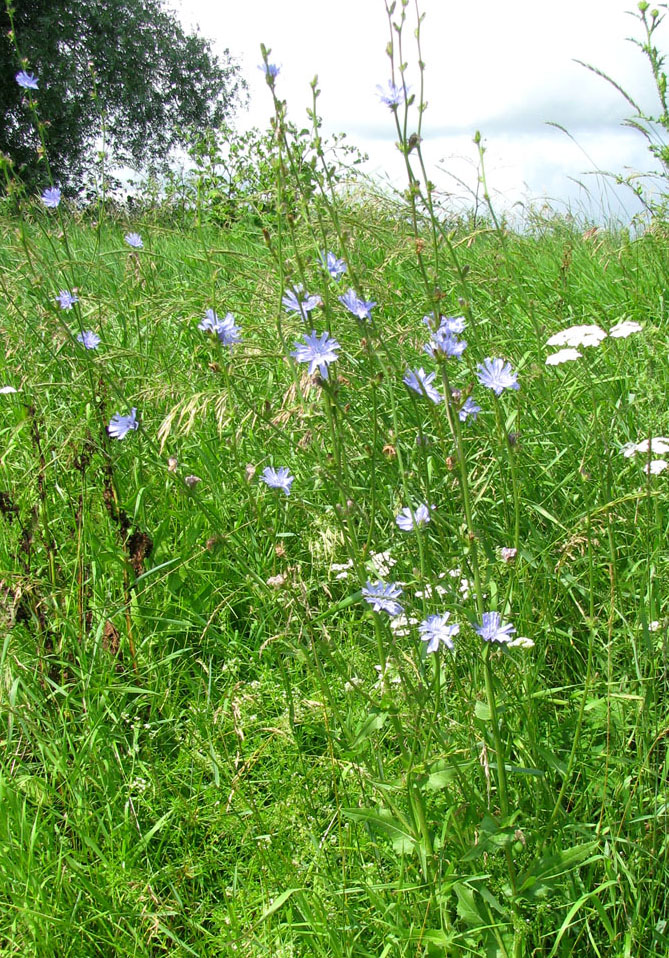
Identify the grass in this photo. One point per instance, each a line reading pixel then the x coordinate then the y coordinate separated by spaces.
pixel 197 762
pixel 211 744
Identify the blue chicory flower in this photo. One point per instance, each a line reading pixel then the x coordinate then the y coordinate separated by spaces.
pixel 270 70
pixel 134 240
pixel 383 598
pixel 421 383
pixel 226 329
pixel 492 629
pixel 335 267
pixel 278 478
pixel 469 408
pixel 120 426
pixel 444 343
pixel 450 324
pixel 88 339
pixel 26 81
pixel 359 307
pixel 318 351
pixel 435 631
pixel 51 197
pixel 497 375
pixel 408 520
pixel 293 304
pixel 393 96
pixel 66 299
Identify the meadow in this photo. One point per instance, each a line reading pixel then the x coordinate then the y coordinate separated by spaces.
pixel 333 573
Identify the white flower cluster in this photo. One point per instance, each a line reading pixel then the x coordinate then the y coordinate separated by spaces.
pixel 585 335
pixel 658 446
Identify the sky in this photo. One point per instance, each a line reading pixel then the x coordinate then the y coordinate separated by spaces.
pixel 504 67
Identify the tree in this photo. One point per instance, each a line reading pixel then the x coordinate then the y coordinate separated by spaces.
pixel 122 68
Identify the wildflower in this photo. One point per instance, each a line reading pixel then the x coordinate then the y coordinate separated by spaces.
pixel 88 339
pixel 464 586
pixel 400 625
pixel 210 322
pixel 51 197
pixel 6 390
pixel 585 335
pixel 449 324
pixel 293 304
pixel 387 676
pixel 192 481
pixel 120 426
pixel 492 629
pixel 625 328
pixel 421 383
pixel 341 568
pixel 134 240
pixel 655 467
pixel 435 631
pixel 318 351
pixel 563 356
pixel 521 642
pixel 444 343
pixel 26 80
pixel 382 562
pixel 226 329
pixel 507 554
pixel 278 478
pixel 659 445
pixel 408 520
pixel 277 581
pixel 497 375
pixel 469 408
pixel 66 299
pixel 393 96
pixel 270 70
pixel 383 598
pixel 357 306
pixel 428 591
pixel 335 267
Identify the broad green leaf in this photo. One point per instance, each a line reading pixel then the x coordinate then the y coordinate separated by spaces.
pixel 372 723
pixel 399 832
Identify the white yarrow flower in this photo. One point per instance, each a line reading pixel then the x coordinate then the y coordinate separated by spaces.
pixel 655 467
pixel 382 563
pixel 341 568
pixel 521 642
pixel 584 335
pixel 563 356
pixel 625 328
pixel 659 445
pixel 401 625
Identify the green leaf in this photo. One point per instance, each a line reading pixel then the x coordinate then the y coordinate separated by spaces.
pixel 544 876
pixel 372 723
pixel 278 903
pixel 398 831
pixel 439 779
pixel 467 907
pixel 482 711
pixel 493 835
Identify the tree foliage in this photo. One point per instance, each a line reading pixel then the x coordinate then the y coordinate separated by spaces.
pixel 124 70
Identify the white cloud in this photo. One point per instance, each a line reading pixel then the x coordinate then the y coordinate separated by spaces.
pixel 505 69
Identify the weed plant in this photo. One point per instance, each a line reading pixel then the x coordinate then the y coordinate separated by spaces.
pixel 316 642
